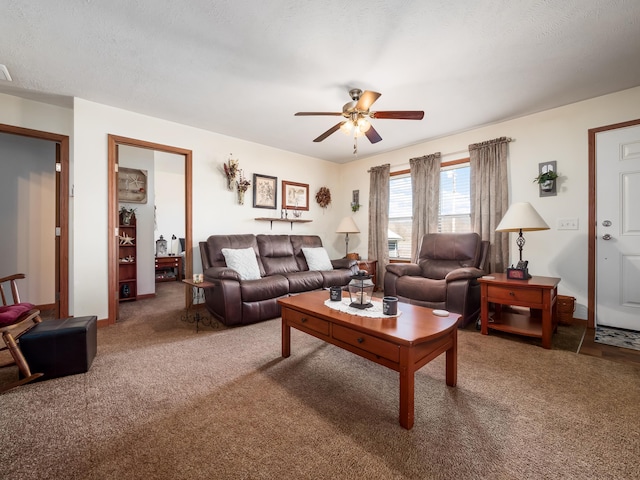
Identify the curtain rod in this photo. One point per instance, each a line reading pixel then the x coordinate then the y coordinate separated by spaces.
pixel 466 150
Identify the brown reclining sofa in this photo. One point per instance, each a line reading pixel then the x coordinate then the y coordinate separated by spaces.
pixel 283 271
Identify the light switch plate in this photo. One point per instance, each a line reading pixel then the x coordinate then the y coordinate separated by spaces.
pixel 567 224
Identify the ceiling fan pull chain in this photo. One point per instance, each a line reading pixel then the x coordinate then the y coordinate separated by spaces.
pixel 355 144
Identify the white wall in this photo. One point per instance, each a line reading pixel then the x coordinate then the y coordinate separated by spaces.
pixel 559 134
pixel 28 215
pixel 169 196
pixel 215 210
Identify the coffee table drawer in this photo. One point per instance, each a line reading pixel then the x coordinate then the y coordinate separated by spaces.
pixel 366 342
pixel 507 294
pixel 308 322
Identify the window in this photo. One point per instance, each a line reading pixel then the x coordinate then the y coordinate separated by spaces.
pixel 455 206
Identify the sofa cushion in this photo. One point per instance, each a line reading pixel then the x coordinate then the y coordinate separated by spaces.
pixel 335 278
pixel 304 281
pixel 277 254
pixel 243 261
pixel 215 244
pixel 440 253
pixel 303 241
pixel 422 289
pixel 264 288
pixel 317 259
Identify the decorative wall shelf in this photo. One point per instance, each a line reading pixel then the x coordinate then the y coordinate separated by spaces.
pixel 290 220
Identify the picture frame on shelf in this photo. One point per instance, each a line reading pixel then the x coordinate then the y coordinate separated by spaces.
pixel 265 191
pixel 132 185
pixel 295 196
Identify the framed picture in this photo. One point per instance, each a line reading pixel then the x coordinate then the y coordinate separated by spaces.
pixel 265 191
pixel 132 185
pixel 295 196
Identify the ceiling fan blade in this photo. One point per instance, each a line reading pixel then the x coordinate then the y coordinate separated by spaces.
pixel 333 129
pixel 373 135
pixel 399 114
pixel 366 100
pixel 303 114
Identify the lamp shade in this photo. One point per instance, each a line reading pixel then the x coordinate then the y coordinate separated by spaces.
pixel 521 217
pixel 347 225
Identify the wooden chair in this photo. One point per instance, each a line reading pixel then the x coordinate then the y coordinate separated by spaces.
pixel 14 316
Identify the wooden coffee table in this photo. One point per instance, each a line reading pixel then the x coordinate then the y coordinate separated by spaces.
pixel 405 343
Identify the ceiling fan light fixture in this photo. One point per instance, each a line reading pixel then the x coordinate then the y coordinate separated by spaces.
pixel 363 125
pixel 346 127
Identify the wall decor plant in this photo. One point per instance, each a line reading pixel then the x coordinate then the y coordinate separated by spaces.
pixel 355 201
pixel 231 168
pixel 546 178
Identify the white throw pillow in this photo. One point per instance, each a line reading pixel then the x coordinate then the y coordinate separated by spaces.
pixel 317 258
pixel 243 261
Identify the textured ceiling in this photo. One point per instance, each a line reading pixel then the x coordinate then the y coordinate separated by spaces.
pixel 244 67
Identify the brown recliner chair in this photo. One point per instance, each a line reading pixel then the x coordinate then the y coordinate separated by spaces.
pixel 445 276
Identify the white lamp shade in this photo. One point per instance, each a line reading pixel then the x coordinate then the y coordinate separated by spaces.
pixel 347 225
pixel 521 216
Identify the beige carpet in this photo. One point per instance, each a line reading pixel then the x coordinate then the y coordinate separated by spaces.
pixel 161 401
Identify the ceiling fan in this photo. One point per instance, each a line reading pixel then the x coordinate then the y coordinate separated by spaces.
pixel 357 113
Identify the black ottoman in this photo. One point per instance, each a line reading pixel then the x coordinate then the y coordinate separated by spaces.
pixel 61 347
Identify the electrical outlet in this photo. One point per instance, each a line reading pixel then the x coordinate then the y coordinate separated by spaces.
pixel 567 224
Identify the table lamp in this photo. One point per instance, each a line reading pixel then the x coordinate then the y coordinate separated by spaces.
pixel 347 226
pixel 521 217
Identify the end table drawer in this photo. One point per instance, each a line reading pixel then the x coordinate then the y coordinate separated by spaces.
pixel 307 322
pixel 366 342
pixel 507 294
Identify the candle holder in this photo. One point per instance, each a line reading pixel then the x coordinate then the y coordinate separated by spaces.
pixel 361 290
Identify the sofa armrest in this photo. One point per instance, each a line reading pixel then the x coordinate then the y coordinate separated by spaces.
pixel 402 269
pixel 222 273
pixel 347 263
pixel 464 273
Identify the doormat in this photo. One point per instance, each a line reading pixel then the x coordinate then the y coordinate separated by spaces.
pixel 618 337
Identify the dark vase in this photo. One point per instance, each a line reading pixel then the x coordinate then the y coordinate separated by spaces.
pixel 125 291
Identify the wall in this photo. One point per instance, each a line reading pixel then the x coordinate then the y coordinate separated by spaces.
pixel 169 196
pixel 28 215
pixel 559 134
pixel 215 210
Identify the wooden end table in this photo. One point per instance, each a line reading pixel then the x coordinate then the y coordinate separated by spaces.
pixel 405 343
pixel 169 263
pixel 538 294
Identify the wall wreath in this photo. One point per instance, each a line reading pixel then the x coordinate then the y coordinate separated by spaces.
pixel 323 197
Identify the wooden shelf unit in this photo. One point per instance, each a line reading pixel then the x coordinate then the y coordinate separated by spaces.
pixel 172 264
pixel 290 220
pixel 127 270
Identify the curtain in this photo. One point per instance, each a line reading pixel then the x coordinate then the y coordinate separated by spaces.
pixel 379 219
pixel 490 197
pixel 425 191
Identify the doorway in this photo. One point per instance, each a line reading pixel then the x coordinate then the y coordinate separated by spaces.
pixel 614 225
pixel 60 165
pixel 114 142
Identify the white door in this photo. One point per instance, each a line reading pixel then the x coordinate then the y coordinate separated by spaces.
pixel 618 228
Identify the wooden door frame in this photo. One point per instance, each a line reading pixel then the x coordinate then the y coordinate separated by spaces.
pixel 591 307
pixel 62 209
pixel 113 142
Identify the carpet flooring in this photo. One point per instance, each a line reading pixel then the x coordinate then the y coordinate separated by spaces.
pixel 164 402
pixel 618 337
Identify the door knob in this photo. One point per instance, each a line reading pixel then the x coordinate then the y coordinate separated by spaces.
pixel 606 236
pixel 606 223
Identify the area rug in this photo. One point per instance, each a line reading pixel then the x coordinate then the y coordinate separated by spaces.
pixel 618 337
